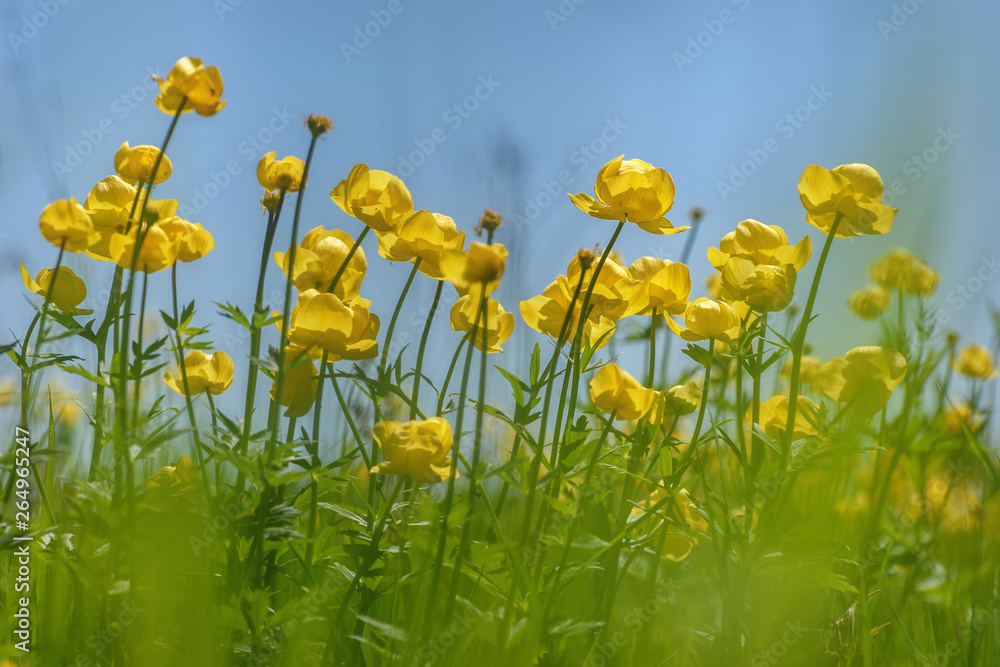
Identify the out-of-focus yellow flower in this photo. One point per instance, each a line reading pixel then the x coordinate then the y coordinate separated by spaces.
pixel 157 251
pixel 376 198
pixel 416 448
pixel 763 287
pixel 852 190
pixel 713 287
pixel 477 271
pixel 184 475
pixel 205 372
pixel 499 323
pixel 774 417
pixel 666 284
pixel 135 164
pixel 682 399
pixel 546 313
pixel 613 391
pixel 631 190
pixel 109 205
pixel 318 260
pixel 808 368
pixel 298 393
pixel 189 78
pixel 975 361
pixel 68 292
pixel 962 413
pixel 676 546
pixel 869 302
pixel 705 318
pixel 763 244
pixel 65 224
pixel 424 235
pixel 285 174
pixel 899 269
pixel 863 378
pixel 322 320
pixel 193 240
pixel 616 295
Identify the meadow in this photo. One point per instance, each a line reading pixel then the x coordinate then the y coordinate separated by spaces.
pixel 752 504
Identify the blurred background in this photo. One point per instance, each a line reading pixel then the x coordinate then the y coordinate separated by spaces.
pixel 509 105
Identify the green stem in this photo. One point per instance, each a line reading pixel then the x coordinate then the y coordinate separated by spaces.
pixel 395 316
pixel 418 371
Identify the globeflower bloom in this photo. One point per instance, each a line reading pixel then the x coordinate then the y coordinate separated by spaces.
pixel 190 80
pixel 869 302
pixel 852 191
pixel 157 250
pixel 899 269
pixel 863 378
pixel 425 236
pixel 205 372
pixel 666 284
pixel 318 260
pixel 345 331
pixel 477 271
pixel 193 240
pixel 466 314
pixel 135 164
pixel 65 224
pixel 633 191
pixel 109 206
pixel 615 392
pixel 762 244
pixel 774 417
pixel 682 399
pixel 764 287
pixel 285 174
pixel 416 448
pixel 376 198
pixel 975 361
pixel 184 475
pixel 69 290
pixel 298 393
pixel 705 318
pixel 676 545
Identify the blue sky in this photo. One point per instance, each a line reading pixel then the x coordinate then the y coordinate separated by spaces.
pixel 695 88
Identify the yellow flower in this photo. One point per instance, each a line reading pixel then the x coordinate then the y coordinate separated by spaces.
pixel 205 372
pixel 318 260
pixel 193 240
pixel 682 399
pixel 184 475
pixel 298 393
pixel 763 244
pixel 109 205
pixel 869 302
pixel 676 546
pixel 899 269
pixel 631 190
pixel 283 174
pixel 65 224
pixel 499 324
pixel 546 313
pixel 613 391
pixel 158 250
pixel 189 78
pixel 808 368
pixel 854 191
pixel 135 164
pixel 68 293
pixel 376 198
pixel 774 417
pixel 961 413
pixel 423 235
pixel 477 271
pixel 345 331
pixel 975 361
pixel 764 287
pixel 667 285
pixel 705 318
pixel 415 448
pixel 863 378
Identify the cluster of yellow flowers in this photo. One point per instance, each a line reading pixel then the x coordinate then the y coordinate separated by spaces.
pixel 898 271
